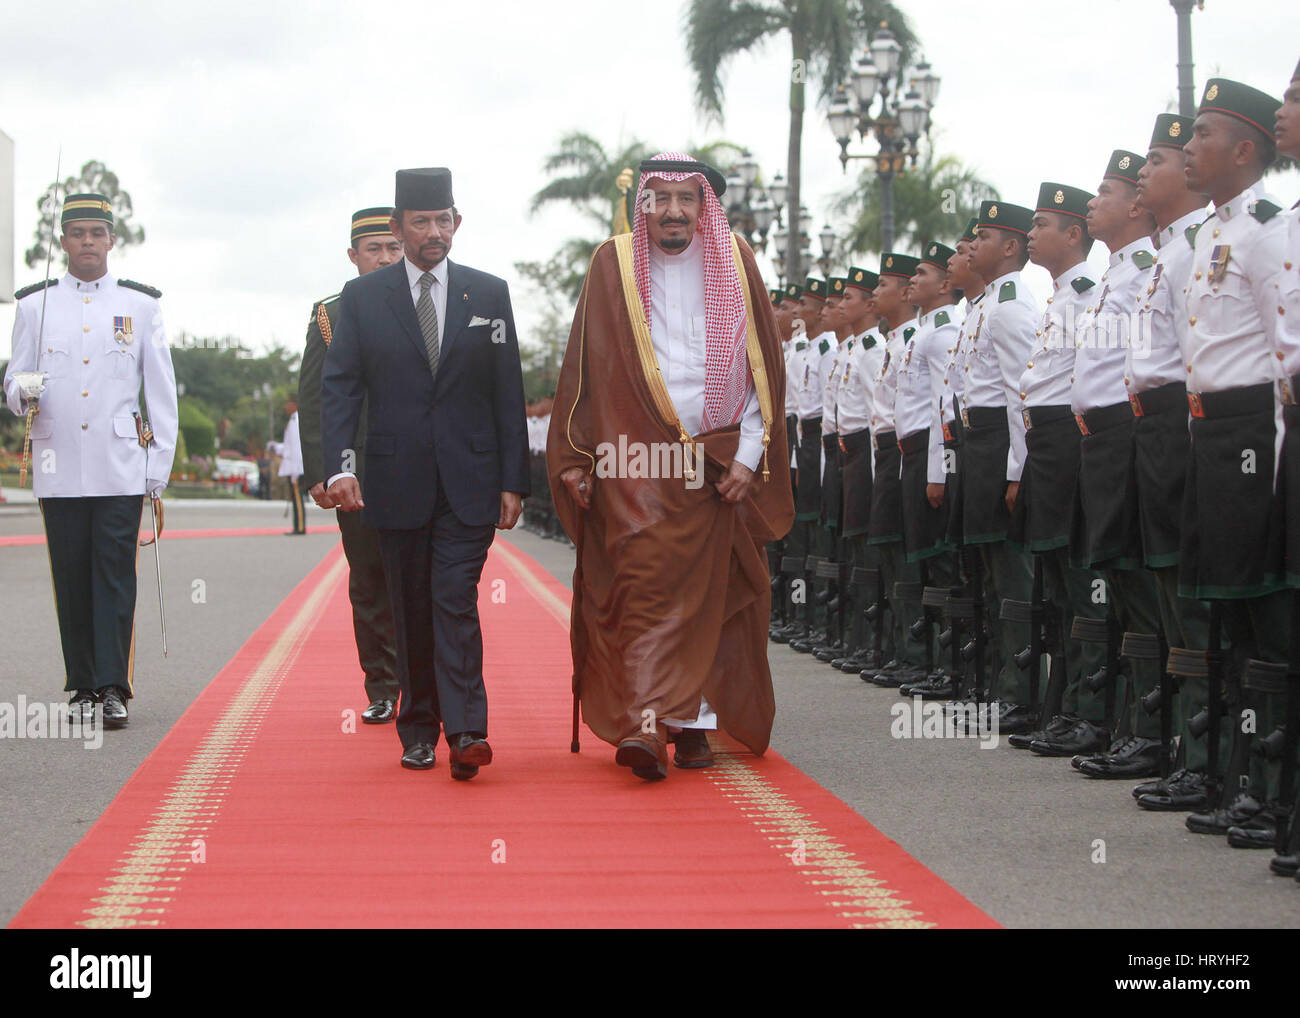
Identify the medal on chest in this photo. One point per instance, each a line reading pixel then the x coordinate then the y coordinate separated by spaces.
pixel 1219 262
pixel 122 331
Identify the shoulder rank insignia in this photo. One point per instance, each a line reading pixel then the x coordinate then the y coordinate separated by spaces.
pixel 27 291
pixel 1006 292
pixel 1191 231
pixel 868 342
pixel 908 333
pixel 1082 284
pixel 823 346
pixel 1143 259
pixel 323 323
pixel 800 345
pixel 1264 210
pixel 145 288
pixel 941 319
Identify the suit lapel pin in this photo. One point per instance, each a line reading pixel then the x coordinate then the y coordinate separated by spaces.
pixel 464 296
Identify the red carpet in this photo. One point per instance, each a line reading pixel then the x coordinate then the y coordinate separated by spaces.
pixel 262 808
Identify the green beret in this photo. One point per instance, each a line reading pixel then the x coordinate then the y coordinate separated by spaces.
pixel 937 254
pixel 371 223
pixel 1003 216
pixel 1241 101
pixel 863 279
pixel 969 233
pixel 1072 201
pixel 894 264
pixel 776 296
pixel 77 207
pixel 815 288
pixel 1124 165
pixel 837 285
pixel 793 292
pixel 1171 131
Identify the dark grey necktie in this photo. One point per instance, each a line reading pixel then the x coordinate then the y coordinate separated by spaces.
pixel 428 316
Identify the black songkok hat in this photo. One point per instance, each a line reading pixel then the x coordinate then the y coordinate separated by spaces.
pixel 1070 201
pixel 1256 108
pixel 1171 131
pixel 1004 216
pixel 1124 165
pixel 937 255
pixel 428 187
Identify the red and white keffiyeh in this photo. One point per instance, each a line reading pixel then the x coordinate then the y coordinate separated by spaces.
pixel 726 360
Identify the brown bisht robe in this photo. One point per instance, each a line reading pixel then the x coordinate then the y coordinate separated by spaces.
pixel 671 590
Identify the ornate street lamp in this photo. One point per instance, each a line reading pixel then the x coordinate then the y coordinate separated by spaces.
pixel 899 123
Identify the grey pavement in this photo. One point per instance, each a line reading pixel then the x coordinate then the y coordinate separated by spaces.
pixel 1016 834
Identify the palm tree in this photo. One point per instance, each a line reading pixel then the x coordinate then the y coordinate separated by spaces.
pixel 591 185
pixel 822 35
pixel 932 201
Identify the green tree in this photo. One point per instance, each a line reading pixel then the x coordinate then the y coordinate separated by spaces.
pixel 932 201
pixel 95 178
pixel 197 428
pixel 822 35
pixel 590 180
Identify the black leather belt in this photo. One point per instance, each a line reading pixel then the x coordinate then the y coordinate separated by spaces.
pixel 1037 416
pixel 1104 417
pixel 1159 400
pixel 1249 399
pixel 916 442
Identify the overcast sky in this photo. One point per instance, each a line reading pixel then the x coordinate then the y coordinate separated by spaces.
pixel 248 132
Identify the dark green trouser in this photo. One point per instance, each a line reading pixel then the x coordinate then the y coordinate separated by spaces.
pixel 372 617
pixel 1069 591
pixel 1007 574
pixel 1187 624
pixel 895 569
pixel 1133 592
pixel 862 555
pixel 1259 628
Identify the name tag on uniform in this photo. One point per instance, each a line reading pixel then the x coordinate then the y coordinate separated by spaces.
pixel 1219 262
pixel 122 331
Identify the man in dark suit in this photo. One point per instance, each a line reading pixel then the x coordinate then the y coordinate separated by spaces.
pixel 431 346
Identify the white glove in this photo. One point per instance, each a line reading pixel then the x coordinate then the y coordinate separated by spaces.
pixel 155 488
pixel 31 383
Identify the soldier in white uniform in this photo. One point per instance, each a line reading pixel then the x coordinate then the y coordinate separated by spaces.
pixel 1287 133
pixel 1233 526
pixel 898 321
pixel 1059 242
pixel 994 353
pixel 101 339
pixel 289 449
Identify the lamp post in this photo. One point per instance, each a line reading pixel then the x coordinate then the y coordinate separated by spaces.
pixel 1186 88
pixel 898 125
pixel 751 209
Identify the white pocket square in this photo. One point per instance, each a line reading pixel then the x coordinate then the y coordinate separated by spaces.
pixel 477 320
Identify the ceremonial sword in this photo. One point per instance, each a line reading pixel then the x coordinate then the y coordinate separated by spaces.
pixel 145 434
pixel 25 379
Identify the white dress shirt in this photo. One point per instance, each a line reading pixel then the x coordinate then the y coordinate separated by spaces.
pixel 1046 378
pixel 101 343
pixel 1233 317
pixel 677 329
pixel 916 406
pixel 953 381
pixel 290 450
pixel 438 291
pixel 884 390
pixel 1288 285
pixel 1102 337
pixel 1155 350
pixel 857 375
pixel 995 354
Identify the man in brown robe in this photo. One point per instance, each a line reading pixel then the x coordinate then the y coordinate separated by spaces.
pixel 667 459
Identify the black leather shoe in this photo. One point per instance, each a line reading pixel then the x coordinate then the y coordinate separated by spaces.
pixel 470 749
pixel 81 706
pixel 1084 737
pixel 114 700
pixel 1242 809
pixel 1285 865
pixel 418 757
pixel 934 687
pixel 1057 727
pixel 378 713
pixel 1260 831
pixel 462 772
pixel 1182 792
pixel 1133 757
pixel 1160 785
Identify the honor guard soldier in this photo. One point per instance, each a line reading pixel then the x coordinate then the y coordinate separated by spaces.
pixel 83 345
pixel 898 321
pixel 917 415
pixel 861 362
pixel 1059 242
pixel 1232 537
pixel 373 246
pixel 1156 381
pixel 1287 133
pixel 971 286
pixel 1105 533
pixel 792 344
pixel 993 444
